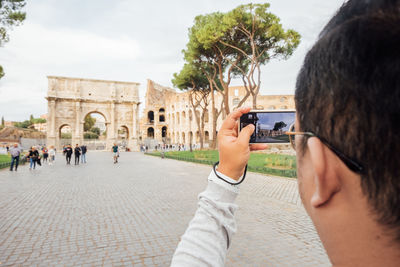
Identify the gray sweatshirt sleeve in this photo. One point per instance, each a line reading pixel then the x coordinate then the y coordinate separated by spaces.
pixel 210 232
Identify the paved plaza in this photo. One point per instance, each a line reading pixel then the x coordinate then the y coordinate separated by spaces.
pixel 133 214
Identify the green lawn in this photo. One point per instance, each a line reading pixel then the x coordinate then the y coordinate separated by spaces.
pixel 5 158
pixel 274 164
pixel 4 161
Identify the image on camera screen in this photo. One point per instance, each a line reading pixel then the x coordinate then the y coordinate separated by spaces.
pixel 270 127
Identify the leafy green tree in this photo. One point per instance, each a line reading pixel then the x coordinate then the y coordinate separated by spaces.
pixel 191 79
pixel 279 125
pixel 236 44
pixel 258 36
pixel 89 122
pixel 66 135
pixel 95 130
pixel 24 124
pixel 10 16
pixel 39 120
pixel 90 135
pixel 2 120
pixel 31 118
pixel 204 47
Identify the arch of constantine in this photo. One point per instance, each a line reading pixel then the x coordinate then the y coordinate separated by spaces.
pixel 70 100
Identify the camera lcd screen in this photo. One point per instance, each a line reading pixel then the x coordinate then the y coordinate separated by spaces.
pixel 270 127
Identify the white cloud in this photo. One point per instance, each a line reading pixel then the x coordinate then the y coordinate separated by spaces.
pixel 37 45
pixel 35 52
pixel 129 41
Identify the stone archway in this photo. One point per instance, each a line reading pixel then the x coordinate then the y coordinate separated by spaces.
pixel 70 100
pixel 150 132
pixel 64 135
pixel 123 136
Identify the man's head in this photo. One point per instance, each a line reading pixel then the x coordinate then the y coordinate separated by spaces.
pixel 348 93
pixel 15 145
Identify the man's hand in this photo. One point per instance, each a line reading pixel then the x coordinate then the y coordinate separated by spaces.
pixel 234 148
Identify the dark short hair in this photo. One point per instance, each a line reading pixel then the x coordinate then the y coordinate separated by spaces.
pixel 348 92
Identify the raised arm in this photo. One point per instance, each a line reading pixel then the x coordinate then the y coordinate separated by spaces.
pixel 210 232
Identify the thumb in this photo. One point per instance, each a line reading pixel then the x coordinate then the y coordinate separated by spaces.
pixel 245 134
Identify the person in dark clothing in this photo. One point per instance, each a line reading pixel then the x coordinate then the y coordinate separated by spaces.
pixel 33 156
pixel 77 152
pixel 45 154
pixel 68 154
pixel 83 156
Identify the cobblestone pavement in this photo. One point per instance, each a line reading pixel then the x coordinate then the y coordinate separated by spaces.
pixel 134 212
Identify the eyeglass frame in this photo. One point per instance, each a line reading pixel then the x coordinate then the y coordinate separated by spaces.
pixel 350 163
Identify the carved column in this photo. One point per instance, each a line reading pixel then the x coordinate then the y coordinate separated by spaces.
pixel 77 131
pixel 51 123
pixel 156 122
pixel 133 136
pixel 111 128
pixel 137 119
pixel 134 122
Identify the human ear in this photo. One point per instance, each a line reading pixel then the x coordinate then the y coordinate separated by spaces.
pixel 326 180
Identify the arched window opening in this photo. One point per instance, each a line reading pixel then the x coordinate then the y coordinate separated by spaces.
pixel 206 137
pixel 123 133
pixel 162 118
pixel 161 110
pixel 183 117
pixel 197 137
pixel 164 132
pixel 150 117
pixel 65 135
pixel 94 126
pixel 150 132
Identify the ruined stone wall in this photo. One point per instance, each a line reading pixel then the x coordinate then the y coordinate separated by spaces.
pixel 180 123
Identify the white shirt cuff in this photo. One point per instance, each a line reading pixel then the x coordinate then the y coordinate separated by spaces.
pixel 213 178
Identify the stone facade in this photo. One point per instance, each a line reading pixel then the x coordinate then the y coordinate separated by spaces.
pixel 70 100
pixel 168 116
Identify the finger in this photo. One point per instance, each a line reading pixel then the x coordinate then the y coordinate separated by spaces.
pixel 254 147
pixel 235 129
pixel 245 133
pixel 230 121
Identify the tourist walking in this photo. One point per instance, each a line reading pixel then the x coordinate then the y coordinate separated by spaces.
pixel 15 152
pixel 33 156
pixel 68 153
pixel 52 155
pixel 77 152
pixel 45 154
pixel 115 153
pixel 83 156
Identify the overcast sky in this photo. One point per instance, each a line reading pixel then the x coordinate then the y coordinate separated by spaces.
pixel 128 40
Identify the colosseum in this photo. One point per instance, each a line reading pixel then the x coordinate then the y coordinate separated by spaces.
pixel 168 116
